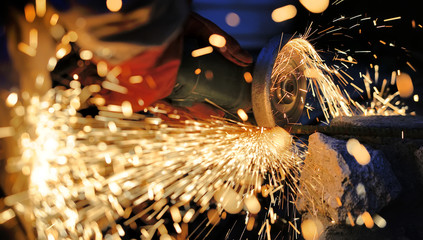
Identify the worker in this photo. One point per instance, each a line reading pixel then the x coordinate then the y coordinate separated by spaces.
pixel 145 39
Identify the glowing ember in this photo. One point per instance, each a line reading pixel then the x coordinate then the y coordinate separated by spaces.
pixel 367 219
pixel 405 85
pixel 217 40
pixel 315 6
pixel 311 229
pixel 379 221
pixel 252 204
pixel 241 113
pixel 248 77
pixel 360 153
pixel 114 5
pixel 284 13
pixel 202 51
pixel 128 165
pixel 86 55
pixel 12 99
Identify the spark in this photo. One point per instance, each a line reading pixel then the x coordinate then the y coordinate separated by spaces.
pixel 327 29
pixel 114 87
pixel 202 51
pixel 54 19
pixel 392 19
pixel 86 55
pixel 293 227
pixel 217 40
pixel 411 66
pixel 315 6
pixel 6 132
pixel 359 151
pixel 12 99
pixel 128 162
pixel 350 218
pixel 242 114
pixel 114 5
pixel 27 49
pixel 311 228
pixel 367 219
pixel 405 85
pixel 248 77
pixel 307 62
pixel 284 13
pixel 40 8
pixel 102 69
pixel 6 215
pixel 29 12
pixel 379 221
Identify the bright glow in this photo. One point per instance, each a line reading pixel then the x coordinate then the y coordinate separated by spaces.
pixel 54 19
pixel 86 55
pixel 6 215
pixel 232 19
pixel 315 6
pixel 114 5
pixel 217 40
pixel 248 77
pixel 135 79
pixel 112 126
pixel 379 221
pixel 241 113
pixel 176 214
pixel 73 36
pixel 311 229
pixel 40 7
pixel 12 99
pixel 29 12
pixel 416 98
pixel 230 200
pixel 284 13
pixel 367 219
pixel 405 85
pixel 252 204
pixel 127 109
pixel 202 51
pixel 28 50
pixel 51 64
pixel 359 151
pixel 102 69
pixel 213 216
pixel 112 163
pixel 188 216
pixel 94 88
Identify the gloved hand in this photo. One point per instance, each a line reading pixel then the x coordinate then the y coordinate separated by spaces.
pixel 201 28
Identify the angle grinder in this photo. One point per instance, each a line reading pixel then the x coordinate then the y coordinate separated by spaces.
pixel 274 100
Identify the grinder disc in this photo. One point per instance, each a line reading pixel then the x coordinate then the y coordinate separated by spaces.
pixel 280 99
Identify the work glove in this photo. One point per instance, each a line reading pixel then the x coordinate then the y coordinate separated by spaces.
pixel 201 28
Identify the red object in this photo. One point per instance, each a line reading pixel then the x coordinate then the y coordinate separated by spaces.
pixel 158 68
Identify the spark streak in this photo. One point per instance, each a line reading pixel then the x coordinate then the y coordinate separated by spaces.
pixel 74 192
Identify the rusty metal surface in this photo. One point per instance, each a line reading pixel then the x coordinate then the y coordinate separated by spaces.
pixel 377 126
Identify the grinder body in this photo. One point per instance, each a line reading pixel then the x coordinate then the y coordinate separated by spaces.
pixel 222 83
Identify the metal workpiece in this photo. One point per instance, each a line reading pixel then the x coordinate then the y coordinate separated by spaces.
pixel 277 99
pixel 403 127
